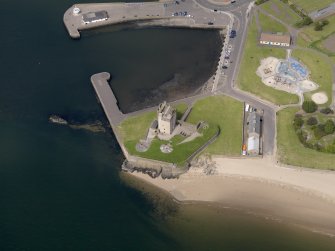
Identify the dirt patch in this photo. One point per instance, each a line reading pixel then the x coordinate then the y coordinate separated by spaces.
pixel 329 43
pixel 320 98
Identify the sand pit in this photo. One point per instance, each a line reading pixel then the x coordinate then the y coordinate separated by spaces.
pixel 320 98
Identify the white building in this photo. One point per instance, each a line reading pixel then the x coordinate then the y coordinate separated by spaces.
pixel 167 117
pixel 276 39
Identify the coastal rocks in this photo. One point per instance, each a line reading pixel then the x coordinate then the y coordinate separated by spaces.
pixel 166 172
pixel 206 164
pixel 130 167
pixel 95 127
pixel 57 120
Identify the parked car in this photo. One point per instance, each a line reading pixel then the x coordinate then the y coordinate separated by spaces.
pixel 232 34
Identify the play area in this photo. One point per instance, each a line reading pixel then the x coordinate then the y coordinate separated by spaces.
pixel 286 74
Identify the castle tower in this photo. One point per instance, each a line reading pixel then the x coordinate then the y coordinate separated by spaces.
pixel 167 117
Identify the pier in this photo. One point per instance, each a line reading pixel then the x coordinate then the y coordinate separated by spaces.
pixel 183 13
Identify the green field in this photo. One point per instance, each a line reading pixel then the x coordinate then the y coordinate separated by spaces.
pixel 311 5
pixel 270 25
pixel 220 112
pixel 282 11
pixel 319 68
pixel 227 113
pixel 292 152
pixel 247 78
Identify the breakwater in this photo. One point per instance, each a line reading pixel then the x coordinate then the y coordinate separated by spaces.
pixel 172 14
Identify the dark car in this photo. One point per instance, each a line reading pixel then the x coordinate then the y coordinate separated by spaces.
pixel 210 23
pixel 232 34
pixel 177 2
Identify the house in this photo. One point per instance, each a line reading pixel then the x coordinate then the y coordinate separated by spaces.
pixel 167 117
pixel 277 39
pixel 254 131
pixel 93 17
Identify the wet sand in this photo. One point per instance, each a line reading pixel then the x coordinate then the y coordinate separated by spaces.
pixel 296 196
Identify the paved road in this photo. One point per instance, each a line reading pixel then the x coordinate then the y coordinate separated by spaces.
pixel 240 24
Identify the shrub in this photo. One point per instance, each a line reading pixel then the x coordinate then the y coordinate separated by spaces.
pixel 329 127
pixel 312 121
pixel 319 131
pixel 258 2
pixel 319 24
pixel 327 111
pixel 324 22
pixel 298 122
pixel 306 20
pixel 309 106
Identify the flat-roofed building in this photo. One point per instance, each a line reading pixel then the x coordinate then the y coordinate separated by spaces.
pixel 277 39
pixel 93 17
pixel 254 131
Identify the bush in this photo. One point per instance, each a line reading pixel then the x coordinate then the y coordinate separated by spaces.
pixel 298 122
pixel 329 127
pixel 306 20
pixel 312 121
pixel 319 24
pixel 319 131
pixel 324 22
pixel 309 106
pixel 327 111
pixel 258 2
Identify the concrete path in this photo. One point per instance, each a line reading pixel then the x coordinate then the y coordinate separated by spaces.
pixel 182 13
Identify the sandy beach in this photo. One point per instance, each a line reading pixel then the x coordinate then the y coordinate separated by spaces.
pixel 299 196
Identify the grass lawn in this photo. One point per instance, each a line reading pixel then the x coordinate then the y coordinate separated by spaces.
pixel 247 78
pixel 310 5
pixel 320 69
pixel 270 25
pixel 227 113
pixel 180 151
pixel 292 152
pixel 282 11
pixel 220 112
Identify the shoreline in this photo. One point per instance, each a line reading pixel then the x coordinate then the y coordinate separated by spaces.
pixel 294 196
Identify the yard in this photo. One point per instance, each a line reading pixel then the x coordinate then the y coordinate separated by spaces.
pixel 247 78
pixel 311 5
pixel 282 11
pixel 227 113
pixel 220 112
pixel 320 69
pixel 270 25
pixel 291 151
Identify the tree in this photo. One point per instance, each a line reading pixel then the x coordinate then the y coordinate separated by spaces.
pixel 327 110
pixel 312 121
pixel 329 127
pixel 309 106
pixel 298 122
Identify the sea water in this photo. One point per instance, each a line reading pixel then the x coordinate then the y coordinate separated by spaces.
pixel 60 188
